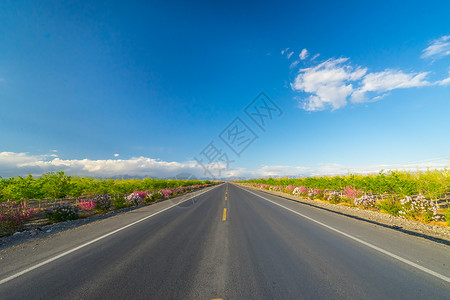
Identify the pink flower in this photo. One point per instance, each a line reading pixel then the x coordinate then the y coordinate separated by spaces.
pixel 351 193
pixel 141 194
pixel 86 204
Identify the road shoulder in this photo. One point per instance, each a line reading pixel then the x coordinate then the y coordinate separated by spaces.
pixel 434 233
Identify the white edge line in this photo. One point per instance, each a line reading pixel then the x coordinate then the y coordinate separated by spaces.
pixel 408 262
pixel 94 240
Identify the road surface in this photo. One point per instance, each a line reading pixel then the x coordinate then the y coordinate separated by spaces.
pixel 227 243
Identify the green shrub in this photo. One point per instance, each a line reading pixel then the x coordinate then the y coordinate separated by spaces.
pixel 157 196
pixel 119 202
pixel 447 216
pixel 431 183
pixel 390 206
pixel 347 200
pixel 59 185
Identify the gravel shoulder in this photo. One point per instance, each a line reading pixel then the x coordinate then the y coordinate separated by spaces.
pixel 434 233
pixel 431 232
pixel 41 230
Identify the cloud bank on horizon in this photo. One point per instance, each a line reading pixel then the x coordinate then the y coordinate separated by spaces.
pixel 21 164
pixel 335 82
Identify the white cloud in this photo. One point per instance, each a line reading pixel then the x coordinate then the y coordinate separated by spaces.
pixel 288 53
pixel 294 64
pixel 315 56
pixel 438 48
pixel 445 81
pixel 116 155
pixel 304 54
pixel 336 169
pixel 54 151
pixel 13 164
pixel 329 84
pixel 329 169
pixel 279 171
pixel 12 159
pixel 388 80
pixel 392 79
pixel 334 82
pixel 376 98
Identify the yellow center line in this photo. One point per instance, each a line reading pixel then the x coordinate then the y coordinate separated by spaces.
pixel 224 218
pixel 225 198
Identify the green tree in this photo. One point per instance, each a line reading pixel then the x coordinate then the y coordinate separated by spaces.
pixel 56 185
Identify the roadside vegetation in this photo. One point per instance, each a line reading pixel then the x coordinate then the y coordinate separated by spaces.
pixel 72 197
pixel 411 195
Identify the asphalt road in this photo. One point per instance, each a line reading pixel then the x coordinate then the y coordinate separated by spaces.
pixel 227 243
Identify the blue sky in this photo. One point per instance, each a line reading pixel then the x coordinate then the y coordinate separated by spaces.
pixel 111 88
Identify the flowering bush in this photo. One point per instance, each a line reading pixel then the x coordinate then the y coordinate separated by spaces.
pixel 13 216
pixel 86 205
pixel 150 198
pixel 318 194
pixel 102 202
pixel 134 199
pixel 365 201
pixel 62 212
pixel 277 188
pixel 290 188
pixel 157 196
pixel 419 208
pixel 141 194
pixel 334 197
pixel 300 190
pixel 166 192
pixel 314 193
pixel 352 193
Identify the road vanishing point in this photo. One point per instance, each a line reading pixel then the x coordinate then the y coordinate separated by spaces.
pixel 227 242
